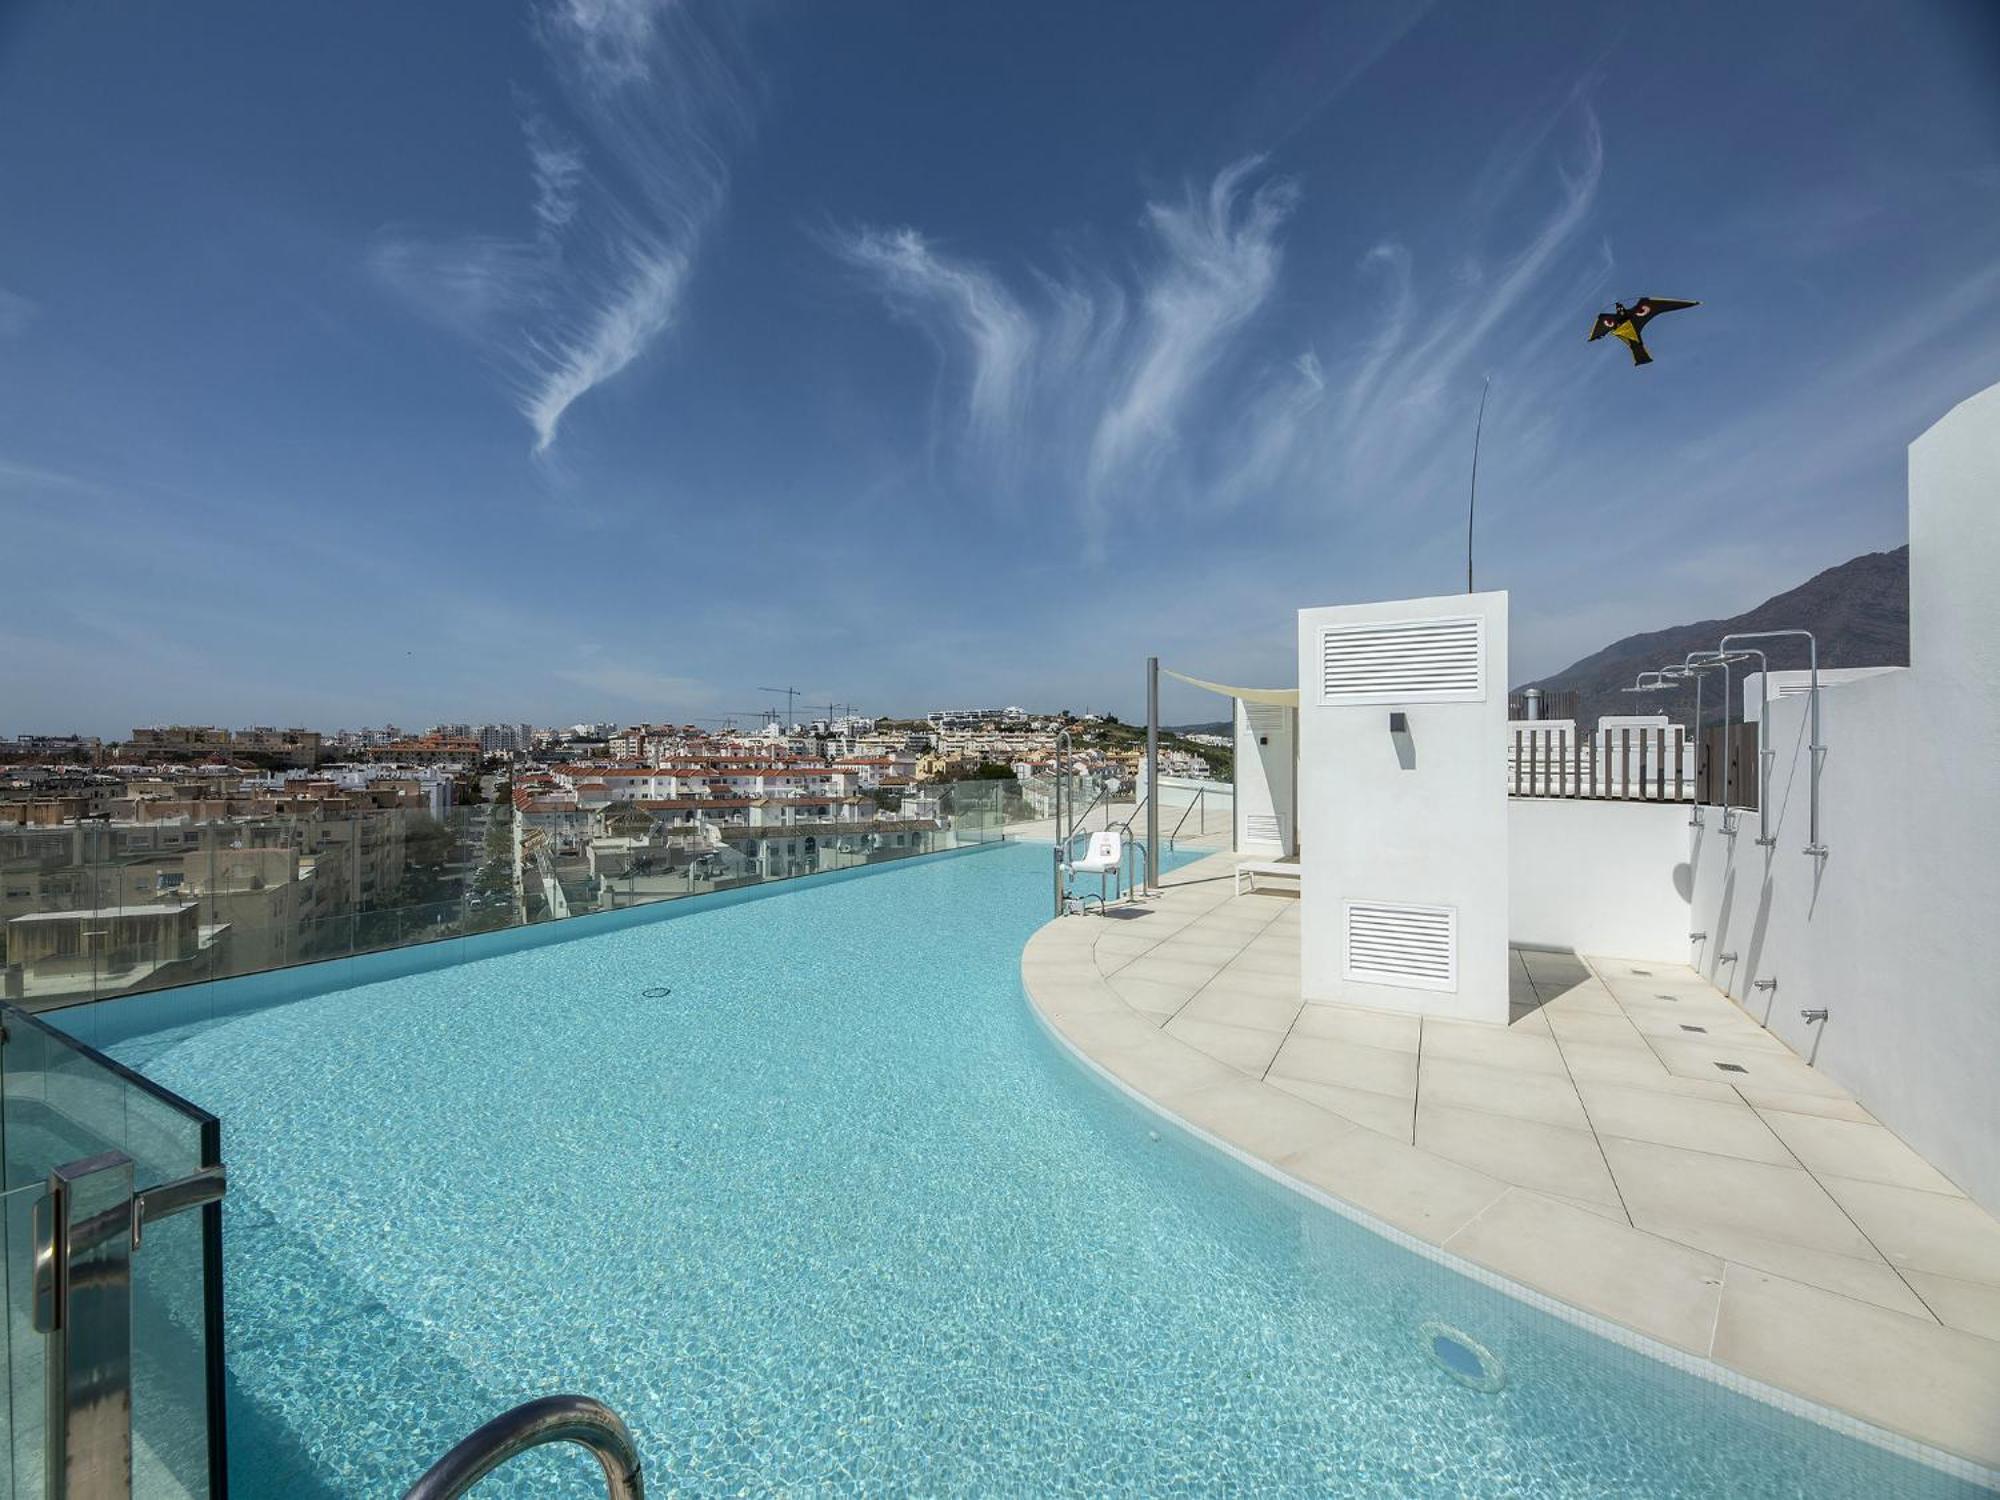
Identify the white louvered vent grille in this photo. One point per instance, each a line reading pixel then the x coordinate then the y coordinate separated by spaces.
pixel 1403 661
pixel 1265 718
pixel 1794 689
pixel 1413 947
pixel 1262 828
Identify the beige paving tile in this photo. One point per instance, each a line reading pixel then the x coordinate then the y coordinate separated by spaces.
pixel 1218 1002
pixel 1492 1046
pixel 1594 1027
pixel 1393 1115
pixel 1667 1184
pixel 1150 997
pixel 1075 997
pixel 1099 1031
pixel 1849 1148
pixel 1496 1091
pixel 1155 970
pixel 1727 1127
pixel 1380 1070
pixel 1636 1068
pixel 1938 1384
pixel 1919 1231
pixel 1160 1066
pixel 1246 1048
pixel 1266 1122
pixel 1612 1211
pixel 1130 945
pixel 1184 950
pixel 1588 996
pixel 1971 1305
pixel 1262 958
pixel 1826 1106
pixel 1524 1152
pixel 1611 1269
pixel 1867 1279
pixel 1533 1021
pixel 1663 1022
pixel 1417 1192
pixel 1698 1056
pixel 1249 982
pixel 1370 1028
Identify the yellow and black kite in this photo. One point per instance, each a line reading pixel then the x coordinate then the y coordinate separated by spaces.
pixel 1628 323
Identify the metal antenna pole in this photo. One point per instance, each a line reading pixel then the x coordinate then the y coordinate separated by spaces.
pixel 1472 501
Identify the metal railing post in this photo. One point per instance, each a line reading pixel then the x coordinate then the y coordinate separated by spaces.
pixel 1153 773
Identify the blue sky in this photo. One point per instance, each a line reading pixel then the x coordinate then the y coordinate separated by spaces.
pixel 611 359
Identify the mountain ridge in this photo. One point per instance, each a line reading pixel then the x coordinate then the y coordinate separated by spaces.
pixel 1859 612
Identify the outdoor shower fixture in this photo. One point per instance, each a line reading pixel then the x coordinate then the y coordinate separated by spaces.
pixel 1668 676
pixel 1817 750
pixel 1708 661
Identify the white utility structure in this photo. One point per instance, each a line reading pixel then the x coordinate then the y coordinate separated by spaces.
pixel 1402 805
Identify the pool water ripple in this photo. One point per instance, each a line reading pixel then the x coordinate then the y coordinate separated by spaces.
pixel 836 1217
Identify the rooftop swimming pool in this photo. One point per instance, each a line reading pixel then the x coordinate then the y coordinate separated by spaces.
pixel 835 1215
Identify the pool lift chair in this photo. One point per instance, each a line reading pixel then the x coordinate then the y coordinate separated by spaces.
pixel 1104 858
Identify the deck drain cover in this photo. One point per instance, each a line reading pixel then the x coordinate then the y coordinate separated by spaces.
pixel 1732 1067
pixel 658 991
pixel 1463 1357
pixel 1702 1029
pixel 1647 972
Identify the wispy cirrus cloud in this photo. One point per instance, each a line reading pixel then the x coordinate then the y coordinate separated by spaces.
pixel 619 208
pixel 1158 383
pixel 1092 371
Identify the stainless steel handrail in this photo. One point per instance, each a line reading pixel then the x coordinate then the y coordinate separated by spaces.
pixel 549 1419
pixel 1200 801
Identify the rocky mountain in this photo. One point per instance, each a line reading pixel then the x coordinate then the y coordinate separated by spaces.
pixel 1859 611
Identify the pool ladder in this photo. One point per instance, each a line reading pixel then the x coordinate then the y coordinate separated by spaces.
pixel 549 1419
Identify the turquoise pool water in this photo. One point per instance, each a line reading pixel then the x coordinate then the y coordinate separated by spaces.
pixel 836 1217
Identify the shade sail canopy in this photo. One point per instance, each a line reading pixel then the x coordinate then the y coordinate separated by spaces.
pixel 1284 697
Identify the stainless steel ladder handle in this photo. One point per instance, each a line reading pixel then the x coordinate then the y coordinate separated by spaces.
pixel 582 1420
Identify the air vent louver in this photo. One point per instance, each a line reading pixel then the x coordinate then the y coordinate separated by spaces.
pixel 1261 828
pixel 1412 947
pixel 1403 661
pixel 1264 718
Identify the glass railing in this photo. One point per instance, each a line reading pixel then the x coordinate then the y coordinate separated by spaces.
pixel 99 908
pixel 142 1320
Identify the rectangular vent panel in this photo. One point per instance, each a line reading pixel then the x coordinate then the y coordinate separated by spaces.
pixel 1403 661
pixel 1412 947
pixel 1265 718
pixel 1261 828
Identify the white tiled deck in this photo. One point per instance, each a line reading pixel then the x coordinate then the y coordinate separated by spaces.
pixel 1592 1149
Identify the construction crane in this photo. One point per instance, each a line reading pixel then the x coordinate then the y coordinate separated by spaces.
pixel 791 698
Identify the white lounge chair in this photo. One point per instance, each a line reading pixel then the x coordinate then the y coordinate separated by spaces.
pixel 1250 869
pixel 1104 858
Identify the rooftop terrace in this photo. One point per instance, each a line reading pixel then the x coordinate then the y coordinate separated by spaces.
pixel 1632 1144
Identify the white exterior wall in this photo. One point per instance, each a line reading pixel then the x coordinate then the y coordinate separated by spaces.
pixel 1265 735
pixel 1892 934
pixel 1419 820
pixel 1605 878
pixel 1790 684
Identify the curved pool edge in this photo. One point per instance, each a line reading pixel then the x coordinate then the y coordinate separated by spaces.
pixel 1075 1005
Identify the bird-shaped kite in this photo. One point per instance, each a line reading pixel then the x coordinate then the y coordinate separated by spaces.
pixel 1628 323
